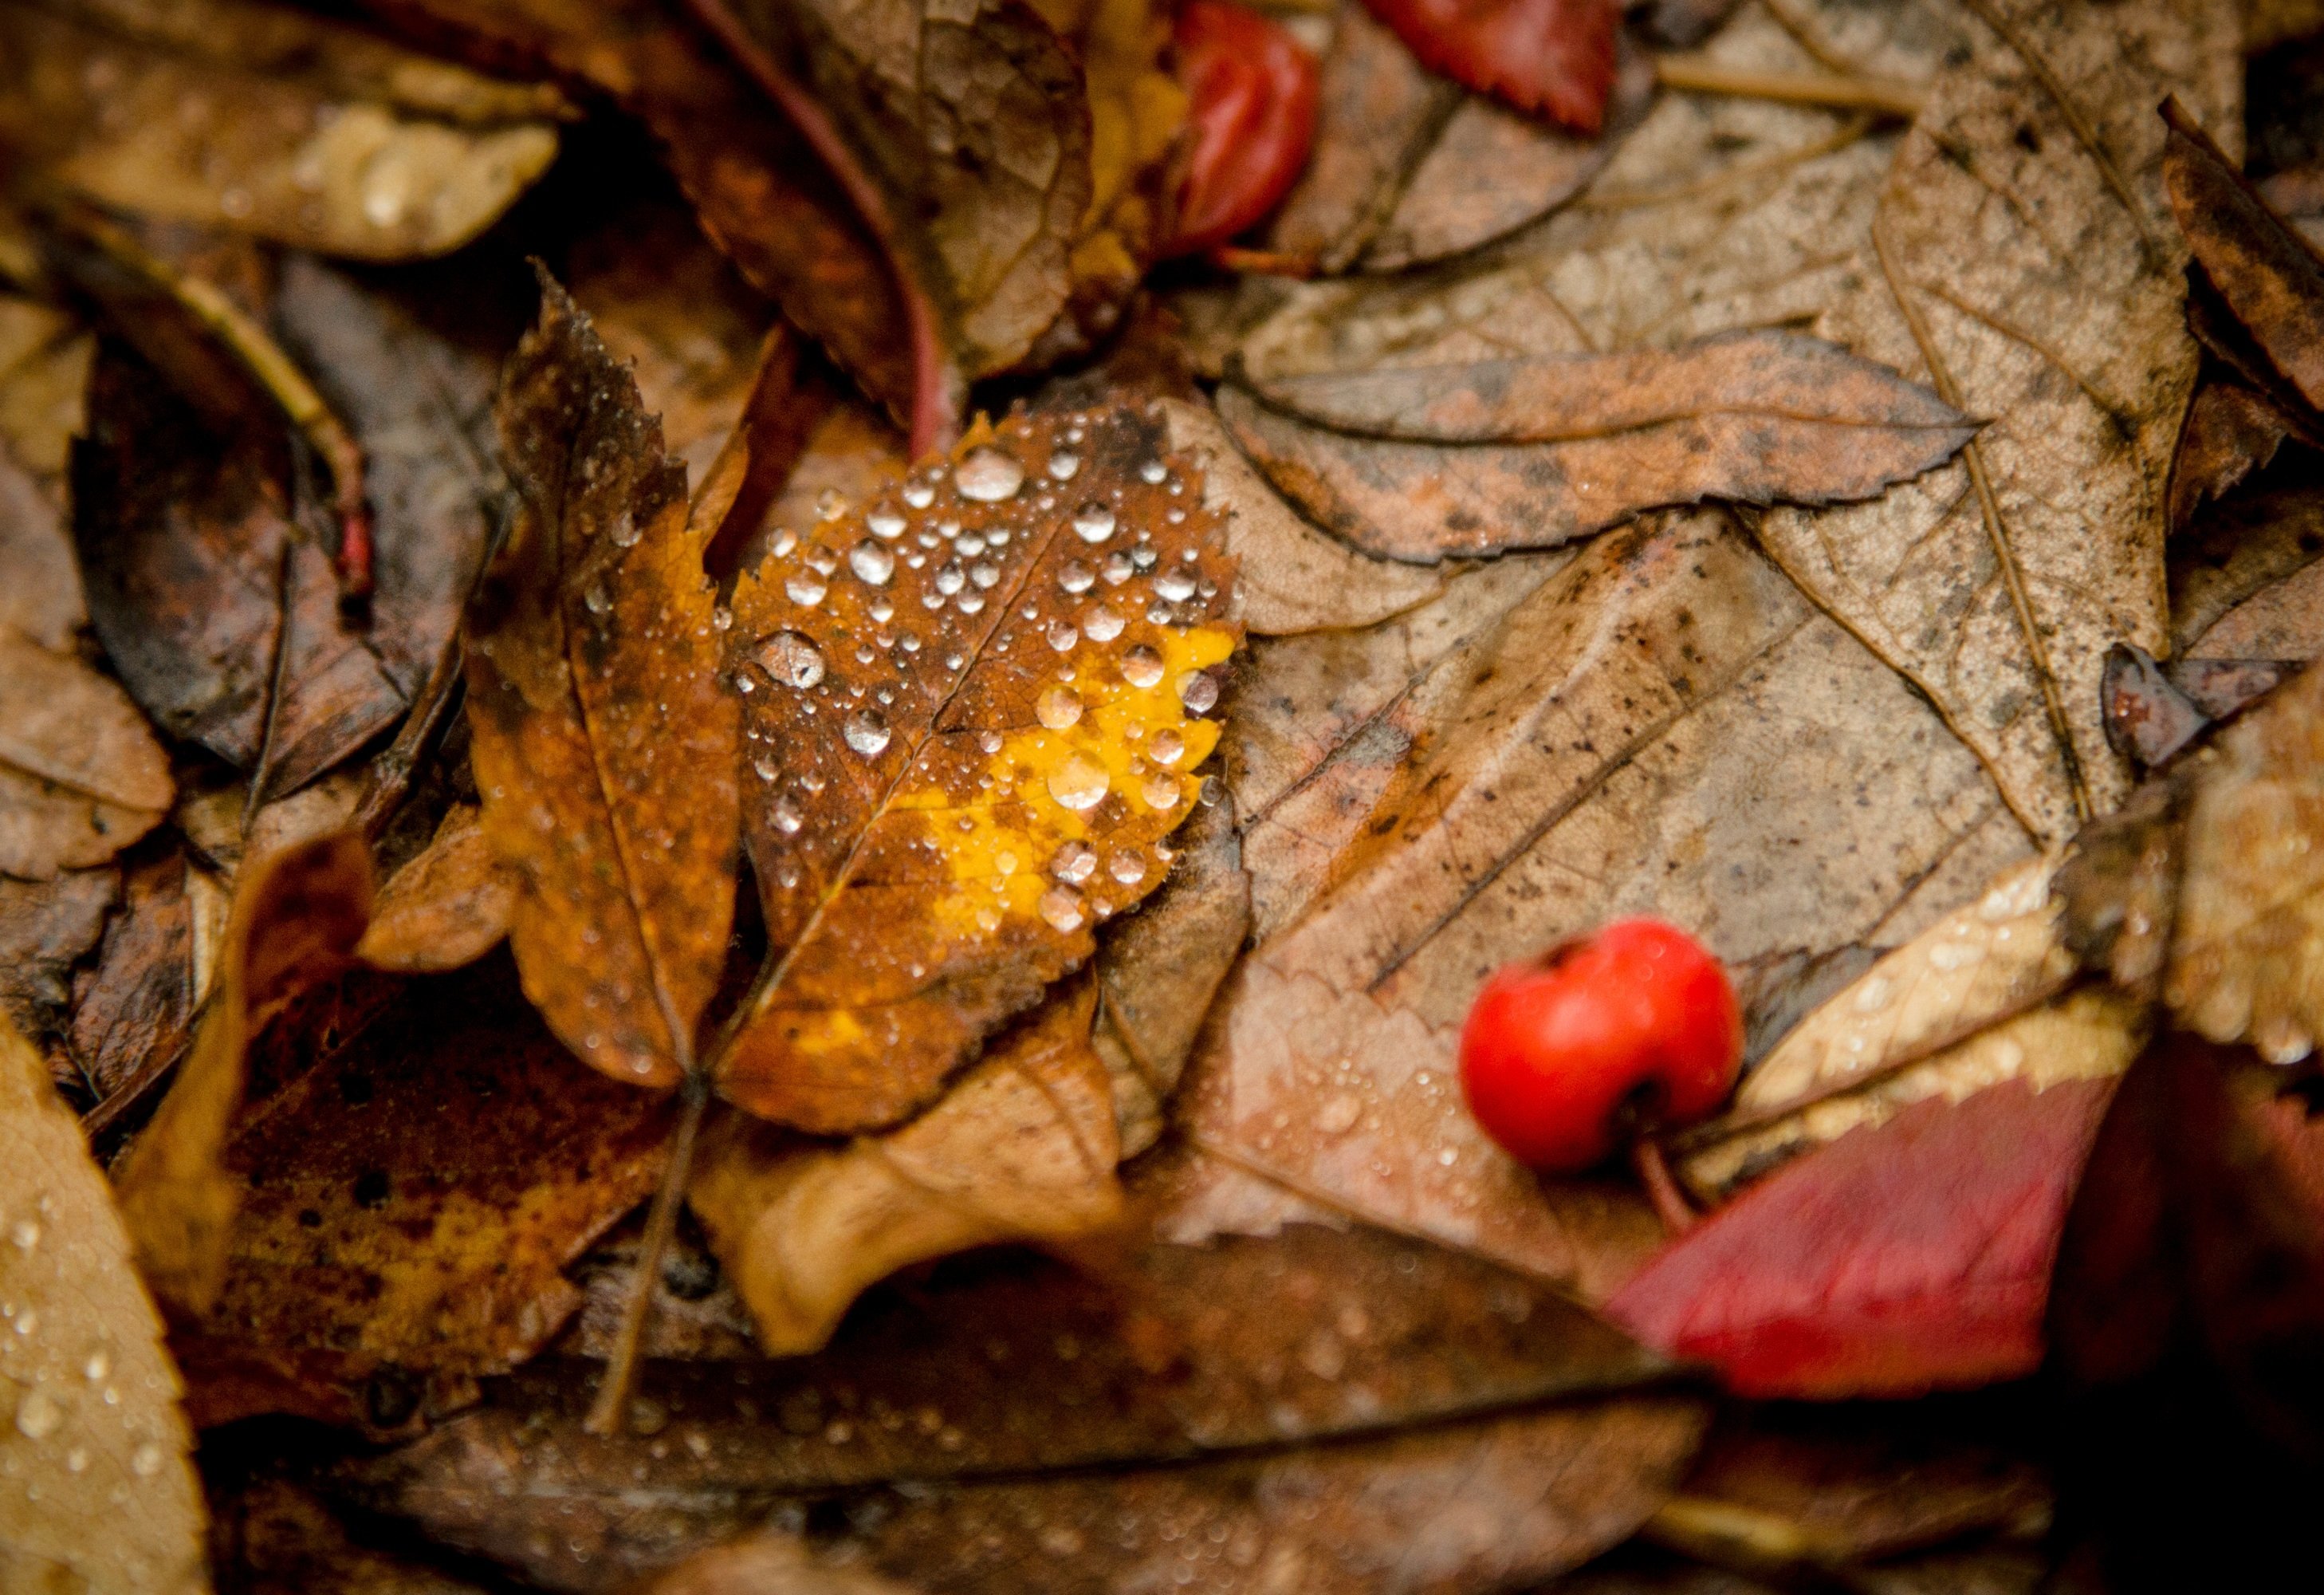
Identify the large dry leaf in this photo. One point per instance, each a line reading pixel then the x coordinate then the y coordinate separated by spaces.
pixel 603 741
pixel 81 775
pixel 2019 261
pixel 1663 725
pixel 263 120
pixel 974 718
pixel 409 1202
pixel 296 921
pixel 1421 462
pixel 102 1495
pixel 1011 1365
pixel 1021 1147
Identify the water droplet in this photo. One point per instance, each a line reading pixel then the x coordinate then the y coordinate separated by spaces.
pixel 1128 866
pixel 871 562
pixel 99 1364
pixel 805 587
pixel 722 618
pixel 1079 782
pixel 1063 637
pixel 1061 906
pixel 1077 576
pixel 1059 707
pixel 597 601
pixel 1872 996
pixel 1177 586
pixel 791 658
pixel 1167 747
pixel 1338 1115
pixel 989 740
pixel 988 476
pixel 919 495
pixel 38 1415
pixel 625 531
pixel 1198 691
pixel 885 523
pixel 26 1234
pixel 1141 666
pixel 951 579
pixel 2280 1039
pixel 787 815
pixel 1103 624
pixel 968 545
pixel 1118 567
pixel 1092 522
pixel 984 573
pixel 866 732
pixel 1161 794
pixel 785 541
pixel 830 503
pixel 970 603
pixel 766 767
pixel 1152 472
pixel 1064 465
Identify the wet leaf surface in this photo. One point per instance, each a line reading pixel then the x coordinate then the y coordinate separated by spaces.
pixel 80 776
pixel 975 711
pixel 100 1493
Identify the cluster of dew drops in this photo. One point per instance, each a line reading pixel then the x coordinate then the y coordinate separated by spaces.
pixel 1114 571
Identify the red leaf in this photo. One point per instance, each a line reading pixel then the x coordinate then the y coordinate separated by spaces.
pixel 1900 1259
pixel 1555 57
pixel 1251 92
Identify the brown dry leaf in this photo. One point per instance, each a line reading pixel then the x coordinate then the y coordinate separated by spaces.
pixel 449 906
pixel 271 1537
pixel 1420 462
pixel 81 775
pixel 46 927
pixel 264 120
pixel 1021 1147
pixel 1010 1364
pixel 973 714
pixel 409 1201
pixel 1662 726
pixel 2231 431
pixel 604 743
pixel 2019 260
pixel 766 1566
pixel 133 1012
pixel 39 585
pixel 101 1494
pixel 44 355
pixel 296 922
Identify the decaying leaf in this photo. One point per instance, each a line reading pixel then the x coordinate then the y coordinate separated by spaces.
pixel 42 601
pixel 603 742
pixel 134 1014
pixel 265 120
pixel 449 906
pixel 973 714
pixel 81 775
pixel 2231 431
pixel 409 1202
pixel 1420 463
pixel 1021 1147
pixel 2017 257
pixel 296 921
pixel 1905 1257
pixel 101 1493
pixel 768 1565
pixel 46 927
pixel 271 1537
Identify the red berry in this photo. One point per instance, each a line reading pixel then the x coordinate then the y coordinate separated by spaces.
pixel 1251 92
pixel 1565 1054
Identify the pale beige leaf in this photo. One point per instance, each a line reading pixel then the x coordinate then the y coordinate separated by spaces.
pixel 97 1491
pixel 81 777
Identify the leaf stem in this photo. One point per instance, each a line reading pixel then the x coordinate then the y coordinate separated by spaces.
pixel 609 1412
pixel 1670 1203
pixel 1886 96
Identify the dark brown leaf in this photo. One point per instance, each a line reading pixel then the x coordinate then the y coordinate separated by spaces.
pixel 2231 431
pixel 133 1012
pixel 604 743
pixel 1421 463
pixel 46 927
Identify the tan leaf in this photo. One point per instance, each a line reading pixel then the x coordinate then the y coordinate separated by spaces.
pixel 265 121
pixel 603 741
pixel 44 356
pixel 1419 463
pixel 2019 259
pixel 42 601
pixel 81 775
pixel 449 906
pixel 296 916
pixel 1021 1147
pixel 103 1495
pixel 973 719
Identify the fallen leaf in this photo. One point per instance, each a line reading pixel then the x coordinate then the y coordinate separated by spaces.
pixel 133 1011
pixel 81 775
pixel 42 598
pixel 296 922
pixel 2240 548
pixel 2231 431
pixel 1250 93
pixel 1021 1147
pixel 408 1203
pixel 449 906
pixel 1013 1366
pixel 271 1537
pixel 765 1566
pixel 1902 1258
pixel 937 827
pixel 1420 463
pixel 1555 57
pixel 46 927
pixel 310 133
pixel 2017 258
pixel 44 354
pixel 603 742
pixel 103 1493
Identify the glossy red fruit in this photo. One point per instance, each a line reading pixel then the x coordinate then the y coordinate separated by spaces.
pixel 1250 90
pixel 1552 56
pixel 1565 1055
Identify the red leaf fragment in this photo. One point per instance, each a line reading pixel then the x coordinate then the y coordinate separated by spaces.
pixel 1547 57
pixel 1252 90
pixel 1904 1258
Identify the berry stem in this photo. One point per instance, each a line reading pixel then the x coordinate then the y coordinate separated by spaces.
pixel 1671 1206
